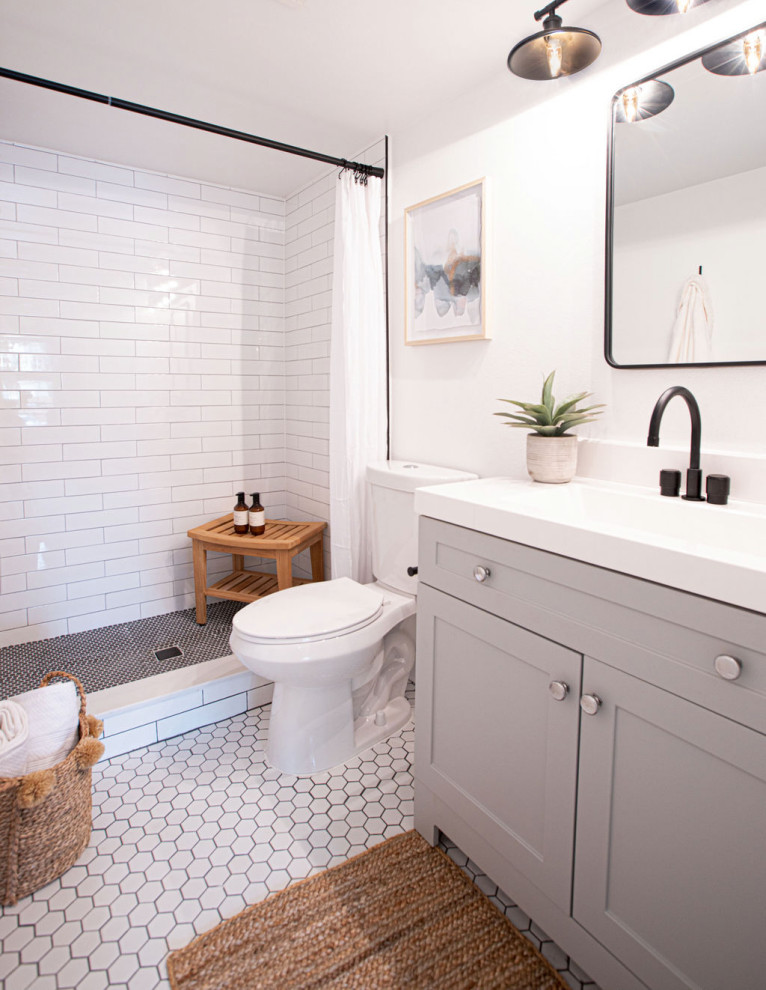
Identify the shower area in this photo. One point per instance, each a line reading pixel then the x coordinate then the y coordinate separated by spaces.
pixel 164 343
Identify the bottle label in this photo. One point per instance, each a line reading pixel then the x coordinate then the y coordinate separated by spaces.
pixel 258 517
pixel 240 517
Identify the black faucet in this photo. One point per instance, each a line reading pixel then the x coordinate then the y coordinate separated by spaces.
pixel 694 474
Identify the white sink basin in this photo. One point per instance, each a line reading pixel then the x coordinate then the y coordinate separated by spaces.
pixel 714 550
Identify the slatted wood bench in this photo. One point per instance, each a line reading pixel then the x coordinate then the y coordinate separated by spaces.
pixel 281 541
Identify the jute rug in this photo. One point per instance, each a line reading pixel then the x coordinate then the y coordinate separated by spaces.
pixel 399 916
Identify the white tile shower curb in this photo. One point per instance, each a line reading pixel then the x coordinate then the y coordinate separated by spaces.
pixel 166 705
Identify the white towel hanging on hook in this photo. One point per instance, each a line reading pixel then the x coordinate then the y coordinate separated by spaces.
pixel 692 334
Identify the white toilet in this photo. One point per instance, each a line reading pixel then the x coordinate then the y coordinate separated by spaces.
pixel 339 652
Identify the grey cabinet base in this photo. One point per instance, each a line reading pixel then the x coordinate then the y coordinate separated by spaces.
pixel 432 816
pixel 660 872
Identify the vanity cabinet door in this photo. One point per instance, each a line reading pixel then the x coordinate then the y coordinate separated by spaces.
pixel 492 741
pixel 670 861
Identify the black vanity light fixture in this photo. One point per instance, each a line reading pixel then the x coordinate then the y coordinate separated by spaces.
pixel 655 7
pixel 744 56
pixel 556 50
pixel 636 103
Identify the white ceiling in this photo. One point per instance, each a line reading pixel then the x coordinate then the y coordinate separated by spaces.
pixel 331 75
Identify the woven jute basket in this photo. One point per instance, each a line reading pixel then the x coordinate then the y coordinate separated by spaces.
pixel 46 816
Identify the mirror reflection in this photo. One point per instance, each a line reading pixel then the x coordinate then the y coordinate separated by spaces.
pixel 686 273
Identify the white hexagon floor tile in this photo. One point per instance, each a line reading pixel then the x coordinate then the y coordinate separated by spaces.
pixel 188 832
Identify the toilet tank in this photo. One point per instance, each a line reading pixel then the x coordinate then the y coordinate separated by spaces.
pixel 394 523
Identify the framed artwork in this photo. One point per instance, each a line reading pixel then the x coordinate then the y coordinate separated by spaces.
pixel 444 261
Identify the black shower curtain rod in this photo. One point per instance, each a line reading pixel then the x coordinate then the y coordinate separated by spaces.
pixel 200 125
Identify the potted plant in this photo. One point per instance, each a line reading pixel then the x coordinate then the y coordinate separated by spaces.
pixel 551 450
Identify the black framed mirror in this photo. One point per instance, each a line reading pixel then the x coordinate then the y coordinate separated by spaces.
pixel 686 212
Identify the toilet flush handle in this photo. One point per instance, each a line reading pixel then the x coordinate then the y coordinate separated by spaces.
pixel 412 571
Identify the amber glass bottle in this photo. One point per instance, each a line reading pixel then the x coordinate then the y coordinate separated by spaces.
pixel 257 516
pixel 241 515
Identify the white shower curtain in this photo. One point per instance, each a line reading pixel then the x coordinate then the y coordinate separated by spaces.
pixel 357 372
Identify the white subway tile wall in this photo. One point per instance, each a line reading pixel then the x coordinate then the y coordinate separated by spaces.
pixel 163 343
pixel 142 383
pixel 309 233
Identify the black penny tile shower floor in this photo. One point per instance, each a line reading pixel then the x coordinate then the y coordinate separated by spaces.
pixel 103 658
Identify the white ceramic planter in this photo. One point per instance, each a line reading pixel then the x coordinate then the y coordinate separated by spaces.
pixel 551 460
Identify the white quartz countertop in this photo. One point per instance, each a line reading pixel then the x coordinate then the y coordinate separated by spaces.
pixel 718 551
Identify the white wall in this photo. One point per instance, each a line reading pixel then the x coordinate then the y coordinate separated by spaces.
pixel 661 241
pixel 546 178
pixel 541 312
pixel 142 383
pixel 154 361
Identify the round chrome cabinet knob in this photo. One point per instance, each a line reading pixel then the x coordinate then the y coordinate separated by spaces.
pixel 481 573
pixel 590 703
pixel 559 690
pixel 728 667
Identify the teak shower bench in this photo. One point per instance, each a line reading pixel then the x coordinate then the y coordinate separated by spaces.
pixel 281 542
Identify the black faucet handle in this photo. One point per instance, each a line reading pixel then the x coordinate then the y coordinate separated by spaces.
pixel 718 487
pixel 670 483
pixel 694 485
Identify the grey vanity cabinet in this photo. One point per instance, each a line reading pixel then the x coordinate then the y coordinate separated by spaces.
pixel 628 818
pixel 671 836
pixel 498 747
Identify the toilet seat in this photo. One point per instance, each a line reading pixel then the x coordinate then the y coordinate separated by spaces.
pixel 310 612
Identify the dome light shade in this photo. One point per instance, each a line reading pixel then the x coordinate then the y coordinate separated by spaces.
pixel 660 7
pixel 556 50
pixel 745 56
pixel 636 103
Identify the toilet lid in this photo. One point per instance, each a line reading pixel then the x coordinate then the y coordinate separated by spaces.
pixel 310 611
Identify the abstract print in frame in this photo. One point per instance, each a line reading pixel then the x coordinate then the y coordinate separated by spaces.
pixel 444 256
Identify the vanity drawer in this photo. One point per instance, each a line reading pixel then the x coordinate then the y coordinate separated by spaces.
pixel 663 635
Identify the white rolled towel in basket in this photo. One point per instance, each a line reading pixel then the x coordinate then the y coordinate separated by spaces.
pixel 52 717
pixel 14 727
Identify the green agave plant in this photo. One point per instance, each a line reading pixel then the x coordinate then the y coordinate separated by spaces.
pixel 548 419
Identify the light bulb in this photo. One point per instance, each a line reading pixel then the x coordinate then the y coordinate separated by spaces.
pixel 554 53
pixel 630 103
pixel 683 5
pixel 752 49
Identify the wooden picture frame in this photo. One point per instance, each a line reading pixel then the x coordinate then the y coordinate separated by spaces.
pixel 444 242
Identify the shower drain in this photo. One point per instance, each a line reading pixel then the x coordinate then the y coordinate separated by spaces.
pixel 169 653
